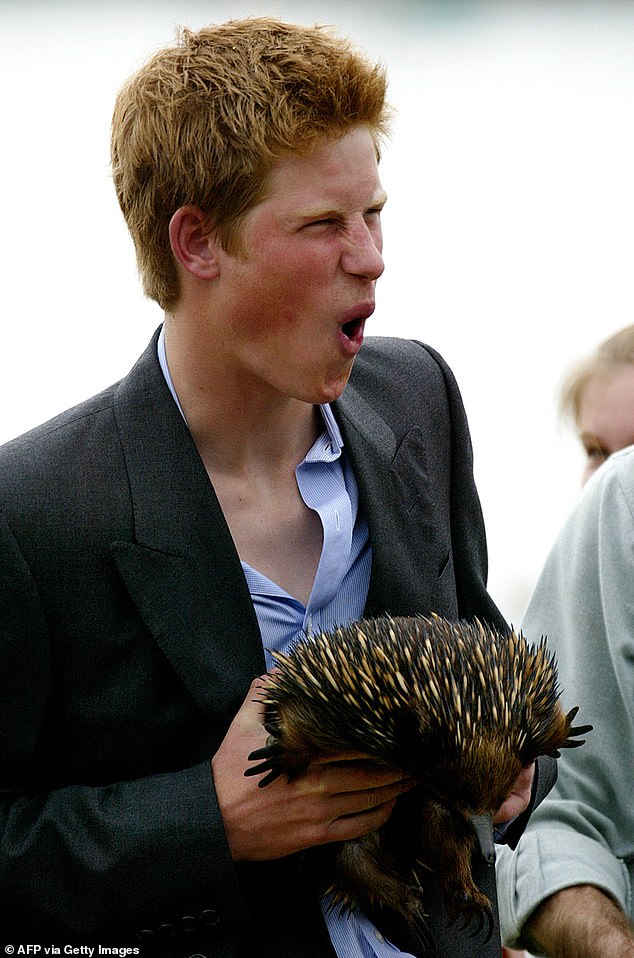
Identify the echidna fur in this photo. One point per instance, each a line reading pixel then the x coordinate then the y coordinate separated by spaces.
pixel 457 706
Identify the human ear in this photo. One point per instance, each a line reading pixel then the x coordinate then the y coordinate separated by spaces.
pixel 193 243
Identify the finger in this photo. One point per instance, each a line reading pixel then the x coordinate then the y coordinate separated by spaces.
pixel 356 775
pixel 257 688
pixel 346 804
pixel 519 798
pixel 349 757
pixel 345 827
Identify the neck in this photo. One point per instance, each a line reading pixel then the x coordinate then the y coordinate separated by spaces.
pixel 236 429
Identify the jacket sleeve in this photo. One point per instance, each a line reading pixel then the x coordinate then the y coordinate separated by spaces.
pixel 129 856
pixel 583 833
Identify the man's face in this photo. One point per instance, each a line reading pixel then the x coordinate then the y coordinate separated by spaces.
pixel 605 416
pixel 301 290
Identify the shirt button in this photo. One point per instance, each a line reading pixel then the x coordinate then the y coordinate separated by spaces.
pixel 378 935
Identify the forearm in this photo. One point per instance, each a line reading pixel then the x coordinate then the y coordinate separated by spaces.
pixel 108 862
pixel 580 922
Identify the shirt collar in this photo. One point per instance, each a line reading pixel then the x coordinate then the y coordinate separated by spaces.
pixel 162 358
pixel 332 428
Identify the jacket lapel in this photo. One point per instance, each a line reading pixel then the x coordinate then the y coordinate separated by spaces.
pixel 182 570
pixel 394 489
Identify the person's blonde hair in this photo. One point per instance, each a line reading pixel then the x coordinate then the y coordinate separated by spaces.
pixel 204 121
pixel 612 353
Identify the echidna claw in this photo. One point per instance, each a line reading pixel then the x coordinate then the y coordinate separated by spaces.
pixel 423 934
pixel 269 767
pixel 269 778
pixel 579 730
pixel 470 914
pixel 485 920
pixel 269 753
pixel 576 731
pixel 258 769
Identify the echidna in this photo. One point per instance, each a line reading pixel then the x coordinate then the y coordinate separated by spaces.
pixel 458 707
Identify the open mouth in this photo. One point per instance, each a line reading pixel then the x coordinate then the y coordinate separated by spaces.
pixel 353 328
pixel 351 331
pixel 351 337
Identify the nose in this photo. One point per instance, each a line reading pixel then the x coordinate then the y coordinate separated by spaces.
pixel 362 255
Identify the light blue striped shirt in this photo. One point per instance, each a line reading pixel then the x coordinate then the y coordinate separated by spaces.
pixel 327 484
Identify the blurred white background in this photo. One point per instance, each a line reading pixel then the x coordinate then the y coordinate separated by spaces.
pixel 508 232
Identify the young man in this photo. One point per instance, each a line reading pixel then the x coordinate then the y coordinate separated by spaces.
pixel 232 492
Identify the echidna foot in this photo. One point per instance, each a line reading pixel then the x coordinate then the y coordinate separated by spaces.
pixel 476 911
pixel 273 763
pixel 416 919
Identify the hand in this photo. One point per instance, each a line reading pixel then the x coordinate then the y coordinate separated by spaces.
pixel 518 798
pixel 335 799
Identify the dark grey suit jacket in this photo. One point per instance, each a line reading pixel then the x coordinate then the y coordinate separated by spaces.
pixel 128 642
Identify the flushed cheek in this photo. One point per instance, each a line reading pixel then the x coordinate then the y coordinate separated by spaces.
pixel 288 318
pixel 263 323
pixel 304 272
pixel 293 316
pixel 266 329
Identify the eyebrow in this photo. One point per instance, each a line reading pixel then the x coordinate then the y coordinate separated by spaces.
pixel 327 212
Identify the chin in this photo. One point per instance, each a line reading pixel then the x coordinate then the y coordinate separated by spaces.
pixel 333 390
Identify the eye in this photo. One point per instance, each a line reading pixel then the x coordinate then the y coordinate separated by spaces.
pixel 373 214
pixel 324 221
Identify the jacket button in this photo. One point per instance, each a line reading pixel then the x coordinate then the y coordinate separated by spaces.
pixel 166 931
pixel 145 934
pixel 210 918
pixel 189 923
